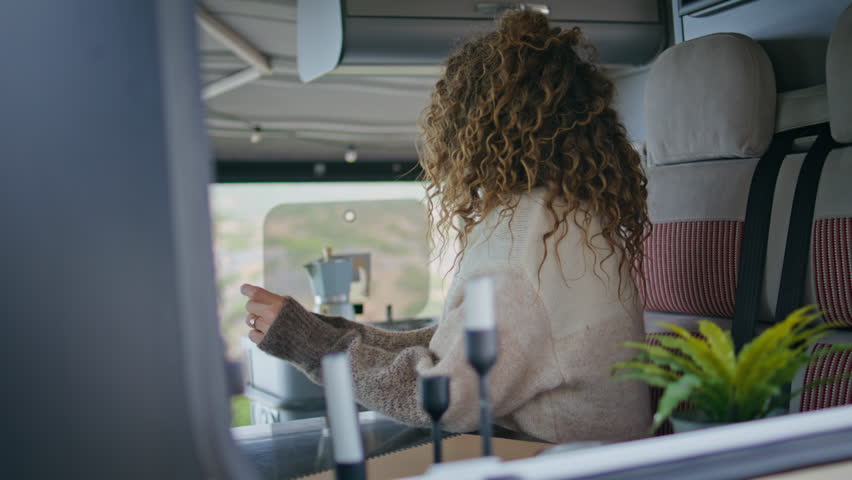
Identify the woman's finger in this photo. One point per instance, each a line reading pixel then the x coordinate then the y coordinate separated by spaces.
pixel 248 289
pixel 255 336
pixel 259 309
pixel 263 316
pixel 262 307
pixel 257 294
pixel 263 324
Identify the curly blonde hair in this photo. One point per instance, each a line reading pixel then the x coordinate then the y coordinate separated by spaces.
pixel 516 109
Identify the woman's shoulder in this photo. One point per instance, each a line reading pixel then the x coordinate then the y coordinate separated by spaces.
pixel 531 229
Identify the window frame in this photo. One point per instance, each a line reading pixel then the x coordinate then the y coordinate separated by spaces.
pixel 262 171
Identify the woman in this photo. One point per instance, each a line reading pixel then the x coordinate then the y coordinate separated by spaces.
pixel 525 160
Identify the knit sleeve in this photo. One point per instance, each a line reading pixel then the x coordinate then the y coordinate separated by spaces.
pixel 385 377
pixel 391 341
pixel 303 337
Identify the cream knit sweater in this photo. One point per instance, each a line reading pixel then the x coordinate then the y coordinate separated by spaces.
pixel 558 339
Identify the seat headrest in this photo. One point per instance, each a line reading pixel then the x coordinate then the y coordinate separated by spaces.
pixel 838 78
pixel 710 98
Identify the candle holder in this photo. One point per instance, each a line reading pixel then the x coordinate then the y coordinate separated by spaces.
pixel 482 354
pixel 435 400
pixel 343 418
pixel 481 346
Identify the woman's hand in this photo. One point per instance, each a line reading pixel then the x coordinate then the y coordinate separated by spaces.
pixel 262 307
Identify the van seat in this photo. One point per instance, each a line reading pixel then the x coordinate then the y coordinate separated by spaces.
pixel 710 107
pixel 829 273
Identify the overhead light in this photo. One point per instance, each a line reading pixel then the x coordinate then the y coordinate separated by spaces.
pixel 256 136
pixel 351 155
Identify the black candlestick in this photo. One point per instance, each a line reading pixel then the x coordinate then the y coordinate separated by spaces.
pixel 435 400
pixel 482 354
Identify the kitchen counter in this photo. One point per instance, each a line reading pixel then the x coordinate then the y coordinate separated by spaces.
pixel 301 447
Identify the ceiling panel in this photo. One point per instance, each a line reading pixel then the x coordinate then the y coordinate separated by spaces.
pixel 266 103
pixel 302 122
pixel 270 26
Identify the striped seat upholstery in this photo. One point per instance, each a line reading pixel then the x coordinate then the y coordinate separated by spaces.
pixel 836 393
pixel 832 259
pixel 692 267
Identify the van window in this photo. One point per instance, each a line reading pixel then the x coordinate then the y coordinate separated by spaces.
pixel 263 233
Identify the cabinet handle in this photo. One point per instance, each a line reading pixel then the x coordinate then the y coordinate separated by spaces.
pixel 497 8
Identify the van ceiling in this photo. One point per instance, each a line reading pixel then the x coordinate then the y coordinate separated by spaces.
pixel 295 121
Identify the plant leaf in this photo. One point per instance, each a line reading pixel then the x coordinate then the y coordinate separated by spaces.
pixel 649 379
pixel 720 383
pixel 672 396
pixel 766 351
pixel 647 368
pixel 829 349
pixel 714 399
pixel 816 383
pixel 665 358
pixel 696 349
pixel 721 345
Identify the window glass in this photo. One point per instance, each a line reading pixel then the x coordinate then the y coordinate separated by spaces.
pixel 385 219
pixel 392 233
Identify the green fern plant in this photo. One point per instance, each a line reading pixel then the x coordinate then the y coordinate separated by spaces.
pixel 723 386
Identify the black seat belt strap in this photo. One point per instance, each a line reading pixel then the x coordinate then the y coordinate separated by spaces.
pixel 756 233
pixel 797 249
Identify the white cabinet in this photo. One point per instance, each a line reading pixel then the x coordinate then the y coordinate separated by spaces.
pixel 362 34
